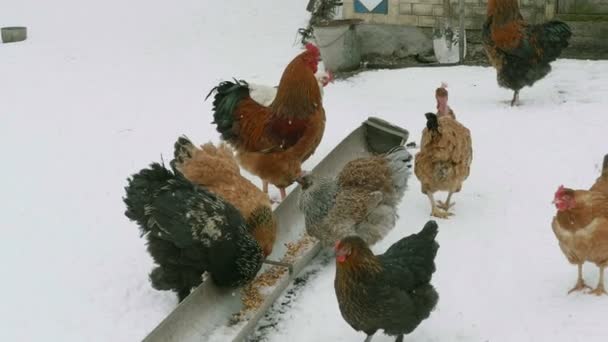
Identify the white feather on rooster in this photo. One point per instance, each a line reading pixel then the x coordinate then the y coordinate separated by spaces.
pixel 264 94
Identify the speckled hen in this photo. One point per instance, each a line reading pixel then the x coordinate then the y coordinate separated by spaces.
pixel 190 231
pixel 361 201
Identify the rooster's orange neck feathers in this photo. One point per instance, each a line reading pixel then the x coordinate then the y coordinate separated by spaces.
pixel 298 94
pixel 503 11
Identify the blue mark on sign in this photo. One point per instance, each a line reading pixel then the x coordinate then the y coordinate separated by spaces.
pixel 381 7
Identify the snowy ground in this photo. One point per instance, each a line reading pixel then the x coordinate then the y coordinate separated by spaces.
pixel 100 90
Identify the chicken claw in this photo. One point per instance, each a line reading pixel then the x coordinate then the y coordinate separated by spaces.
pixel 445 205
pixel 580 285
pixel 440 213
pixel 598 291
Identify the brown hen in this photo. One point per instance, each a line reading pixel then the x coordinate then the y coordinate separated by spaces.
pixel 581 227
pixel 444 160
pixel 215 169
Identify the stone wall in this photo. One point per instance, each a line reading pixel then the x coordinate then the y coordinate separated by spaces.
pixel 430 13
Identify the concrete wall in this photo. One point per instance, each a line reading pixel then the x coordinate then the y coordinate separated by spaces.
pixel 396 40
pixel 429 13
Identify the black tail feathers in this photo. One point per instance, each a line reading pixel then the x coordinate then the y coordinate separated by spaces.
pixel 430 230
pixel 431 121
pixel 227 97
pixel 141 191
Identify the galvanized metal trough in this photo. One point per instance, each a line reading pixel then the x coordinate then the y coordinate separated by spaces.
pixel 206 314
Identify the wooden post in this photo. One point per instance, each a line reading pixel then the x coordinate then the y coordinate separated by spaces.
pixel 461 30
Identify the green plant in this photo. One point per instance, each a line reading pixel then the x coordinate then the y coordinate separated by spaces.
pixel 322 11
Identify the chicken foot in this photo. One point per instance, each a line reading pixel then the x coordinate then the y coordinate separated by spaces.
pixel 446 205
pixel 580 283
pixel 435 210
pixel 515 100
pixel 600 290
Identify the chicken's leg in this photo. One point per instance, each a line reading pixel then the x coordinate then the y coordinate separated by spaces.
pixel 580 283
pixel 399 338
pixel 283 193
pixel 600 290
pixel 265 186
pixel 446 205
pixel 515 100
pixel 368 338
pixel 435 211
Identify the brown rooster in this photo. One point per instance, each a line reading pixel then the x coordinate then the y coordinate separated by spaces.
pixel 215 169
pixel 581 227
pixel 392 291
pixel 272 142
pixel 520 52
pixel 444 160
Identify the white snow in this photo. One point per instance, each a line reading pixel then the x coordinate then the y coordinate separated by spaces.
pixel 99 90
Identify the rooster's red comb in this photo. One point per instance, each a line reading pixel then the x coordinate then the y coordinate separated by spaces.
pixel 312 48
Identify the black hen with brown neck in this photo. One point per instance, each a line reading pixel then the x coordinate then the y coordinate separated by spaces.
pixel 392 291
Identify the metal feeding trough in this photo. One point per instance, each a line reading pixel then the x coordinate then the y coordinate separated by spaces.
pixel 13 34
pixel 207 313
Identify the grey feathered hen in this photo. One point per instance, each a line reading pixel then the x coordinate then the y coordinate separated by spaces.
pixel 361 201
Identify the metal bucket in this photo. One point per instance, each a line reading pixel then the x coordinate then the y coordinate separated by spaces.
pixel 13 34
pixel 339 46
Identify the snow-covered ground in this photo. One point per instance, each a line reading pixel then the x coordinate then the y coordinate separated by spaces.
pixel 101 89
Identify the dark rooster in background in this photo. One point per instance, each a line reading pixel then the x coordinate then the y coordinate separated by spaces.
pixel 190 231
pixel 520 52
pixel 272 142
pixel 392 291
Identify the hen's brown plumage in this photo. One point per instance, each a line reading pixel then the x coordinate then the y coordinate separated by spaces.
pixel 601 184
pixel 216 169
pixel 581 227
pixel 444 160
